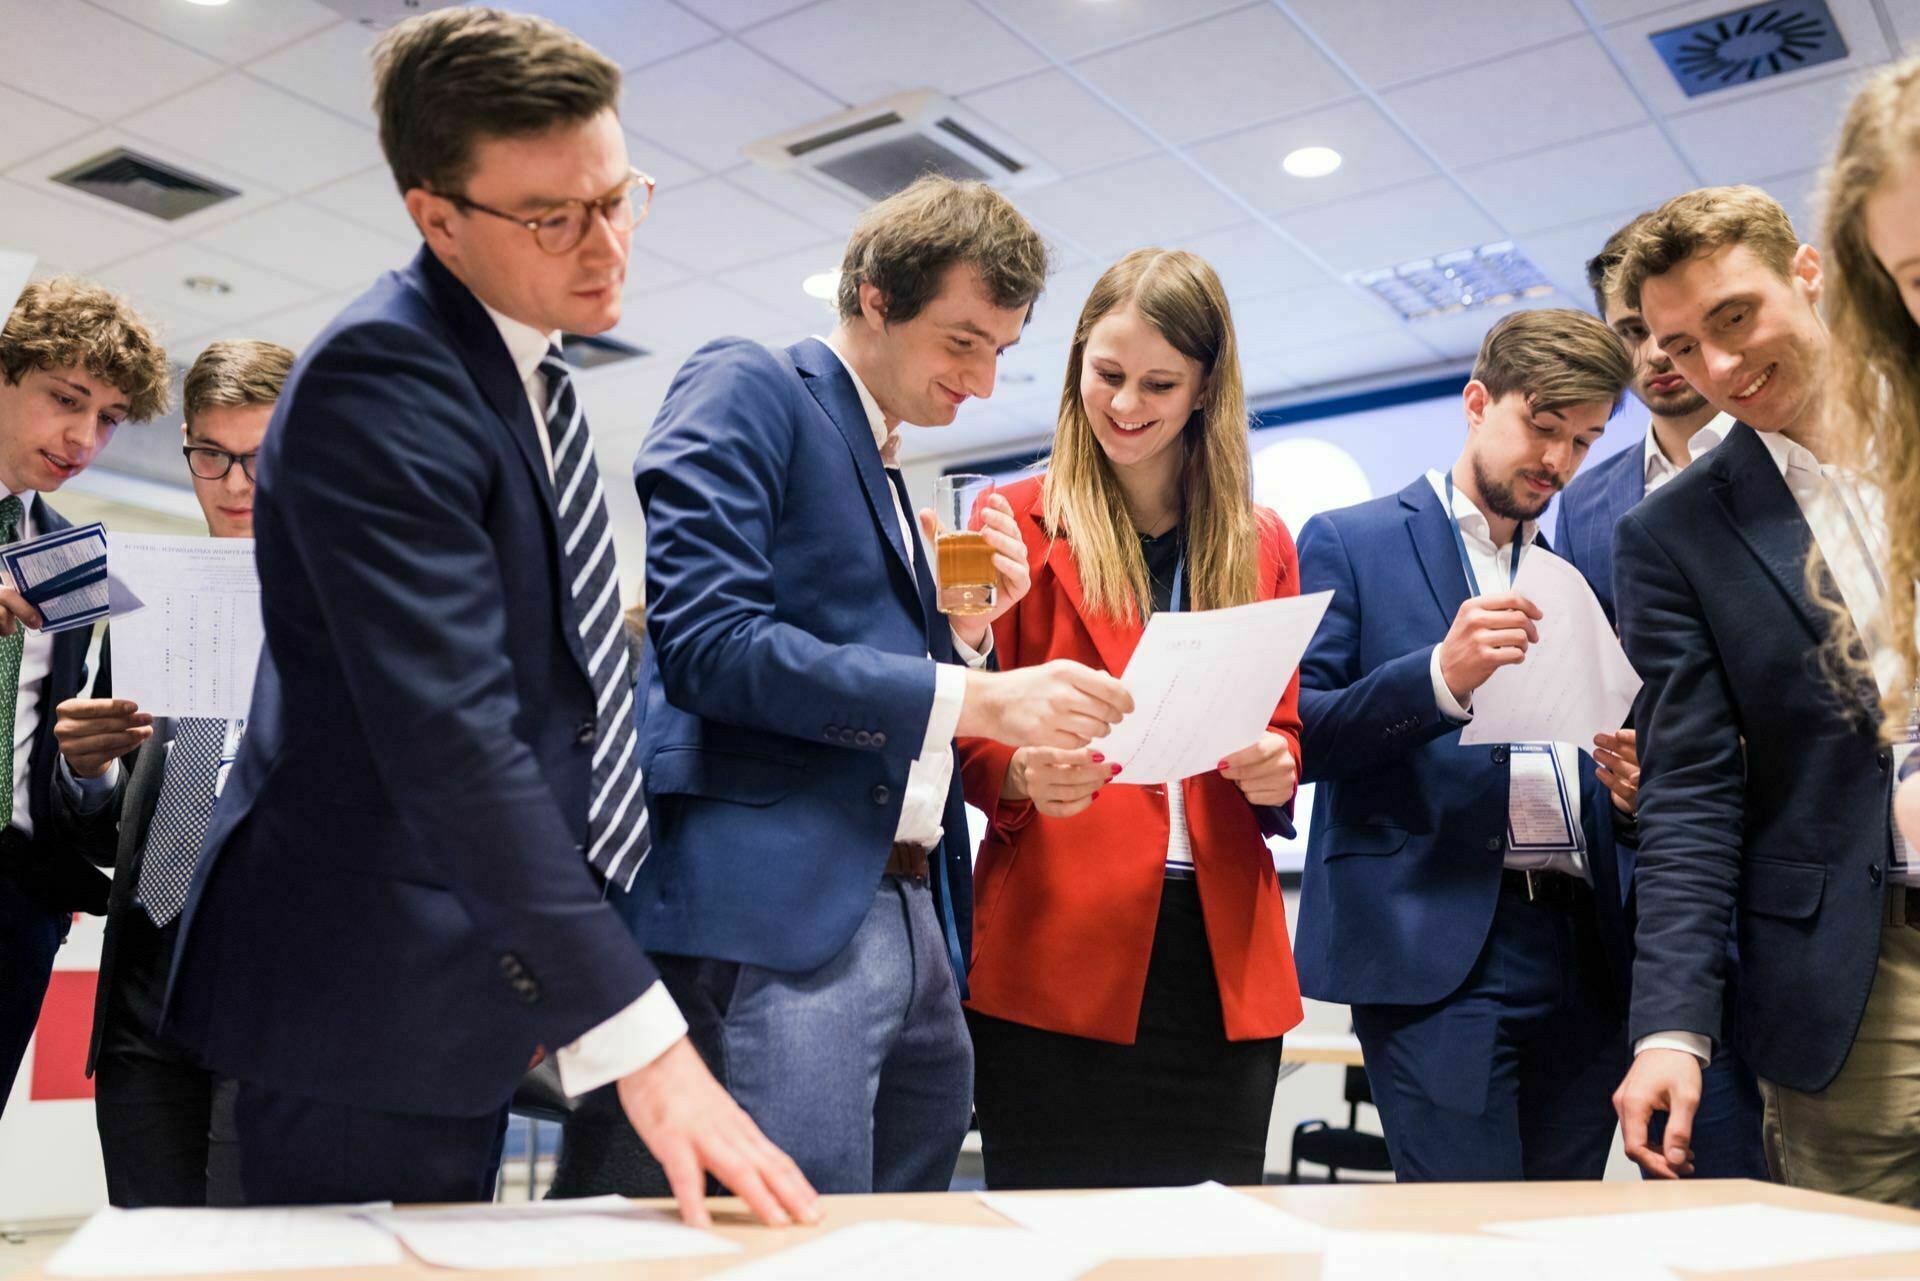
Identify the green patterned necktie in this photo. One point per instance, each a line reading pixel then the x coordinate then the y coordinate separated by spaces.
pixel 10 651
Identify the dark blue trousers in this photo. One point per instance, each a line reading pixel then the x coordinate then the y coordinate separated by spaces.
pixel 30 934
pixel 301 1151
pixel 1512 1076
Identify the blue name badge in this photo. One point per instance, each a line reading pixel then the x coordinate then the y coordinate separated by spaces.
pixel 1539 803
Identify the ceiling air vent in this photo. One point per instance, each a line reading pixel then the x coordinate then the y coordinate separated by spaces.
pixel 1749 44
pixel 583 352
pixel 1489 276
pixel 141 182
pixel 873 151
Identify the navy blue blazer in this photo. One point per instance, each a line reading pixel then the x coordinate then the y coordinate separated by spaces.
pixel 393 907
pixel 1409 827
pixel 1590 506
pixel 788 685
pixel 1793 826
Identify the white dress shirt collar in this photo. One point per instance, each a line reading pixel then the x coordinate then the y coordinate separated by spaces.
pixel 887 439
pixel 1659 468
pixel 525 344
pixel 1473 522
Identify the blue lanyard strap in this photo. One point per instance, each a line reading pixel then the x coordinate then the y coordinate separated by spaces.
pixel 1179 576
pixel 1460 545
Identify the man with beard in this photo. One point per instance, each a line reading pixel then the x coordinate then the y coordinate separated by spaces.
pixel 1766 782
pixel 1486 975
pixel 1684 427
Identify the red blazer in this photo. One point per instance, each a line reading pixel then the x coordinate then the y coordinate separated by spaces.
pixel 1065 909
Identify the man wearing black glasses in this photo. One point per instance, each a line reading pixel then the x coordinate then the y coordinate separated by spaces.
pixel 166 1123
pixel 400 900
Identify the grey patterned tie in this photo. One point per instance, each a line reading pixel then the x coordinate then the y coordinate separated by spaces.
pixel 180 816
pixel 617 838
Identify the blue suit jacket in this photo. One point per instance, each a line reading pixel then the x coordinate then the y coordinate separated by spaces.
pixel 1589 509
pixel 1792 825
pixel 788 684
pixel 392 907
pixel 1409 827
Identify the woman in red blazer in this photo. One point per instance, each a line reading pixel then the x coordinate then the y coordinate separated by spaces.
pixel 1131 972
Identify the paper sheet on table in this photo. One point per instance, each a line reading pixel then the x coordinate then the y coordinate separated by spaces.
pixel 1205 684
pixel 1420 1256
pixel 547 1234
pixel 1724 1238
pixel 1575 683
pixel 1204 1221
pixel 889 1251
pixel 189 648
pixel 62 574
pixel 131 1243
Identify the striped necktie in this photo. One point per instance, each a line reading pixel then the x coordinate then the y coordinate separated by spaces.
pixel 617 838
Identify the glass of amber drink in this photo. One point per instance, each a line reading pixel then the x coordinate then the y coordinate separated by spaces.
pixel 963 561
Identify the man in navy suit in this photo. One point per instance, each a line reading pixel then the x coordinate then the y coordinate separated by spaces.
pixel 75 363
pixel 1766 786
pixel 1484 953
pixel 808 898
pixel 399 902
pixel 1684 426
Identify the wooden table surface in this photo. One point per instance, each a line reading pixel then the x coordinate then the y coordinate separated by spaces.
pixel 1423 1208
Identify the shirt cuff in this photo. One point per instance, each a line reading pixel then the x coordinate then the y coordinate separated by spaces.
pixel 1692 1042
pixel 1443 697
pixel 88 795
pixel 628 1041
pixel 973 658
pixel 949 693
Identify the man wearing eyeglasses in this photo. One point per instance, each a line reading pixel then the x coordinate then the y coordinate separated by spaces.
pixel 166 1123
pixel 400 900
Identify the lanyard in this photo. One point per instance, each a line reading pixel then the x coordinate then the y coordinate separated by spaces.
pixel 1179 576
pixel 1460 545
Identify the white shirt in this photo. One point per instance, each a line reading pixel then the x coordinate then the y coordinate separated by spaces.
pixel 923 808
pixel 1660 469
pixel 646 1029
pixel 1850 534
pixel 1493 567
pixel 36 663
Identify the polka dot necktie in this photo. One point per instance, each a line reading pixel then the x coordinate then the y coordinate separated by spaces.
pixel 180 816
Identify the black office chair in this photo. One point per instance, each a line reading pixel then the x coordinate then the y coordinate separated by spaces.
pixel 1341 1147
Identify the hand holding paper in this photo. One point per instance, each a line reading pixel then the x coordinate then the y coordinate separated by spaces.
pixel 1574 682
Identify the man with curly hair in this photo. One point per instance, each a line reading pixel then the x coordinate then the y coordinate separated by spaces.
pixel 75 363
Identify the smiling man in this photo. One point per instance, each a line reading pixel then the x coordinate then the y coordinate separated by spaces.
pixel 75 363
pixel 1764 783
pixel 808 898
pixel 400 900
pixel 1465 900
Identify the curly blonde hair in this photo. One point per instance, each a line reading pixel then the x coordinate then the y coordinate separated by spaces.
pixel 66 322
pixel 1875 347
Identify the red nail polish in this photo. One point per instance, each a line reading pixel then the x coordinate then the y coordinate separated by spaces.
pixel 1113 769
pixel 1097 758
pixel 1094 797
pixel 1223 765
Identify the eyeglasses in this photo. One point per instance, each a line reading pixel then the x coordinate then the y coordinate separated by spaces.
pixel 560 229
pixel 214 464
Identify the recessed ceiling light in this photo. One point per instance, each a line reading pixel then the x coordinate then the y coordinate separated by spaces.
pixel 1311 162
pixel 212 286
pixel 208 4
pixel 824 285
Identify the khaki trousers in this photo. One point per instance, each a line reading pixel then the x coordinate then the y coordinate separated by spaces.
pixel 1860 1136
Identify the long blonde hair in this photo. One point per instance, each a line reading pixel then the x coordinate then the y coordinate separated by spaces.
pixel 1874 350
pixel 1180 296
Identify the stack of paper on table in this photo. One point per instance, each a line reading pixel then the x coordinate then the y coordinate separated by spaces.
pixel 541 1234
pixel 1205 1221
pixel 124 1243
pixel 894 1251
pixel 1723 1238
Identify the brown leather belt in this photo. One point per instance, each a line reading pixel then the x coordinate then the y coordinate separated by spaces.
pixel 909 861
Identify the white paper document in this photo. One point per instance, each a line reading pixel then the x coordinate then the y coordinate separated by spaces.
pixel 1574 683
pixel 1420 1256
pixel 1205 684
pixel 1725 1238
pixel 190 644
pixel 886 1250
pixel 1539 801
pixel 547 1234
pixel 1205 1221
pixel 131 1243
